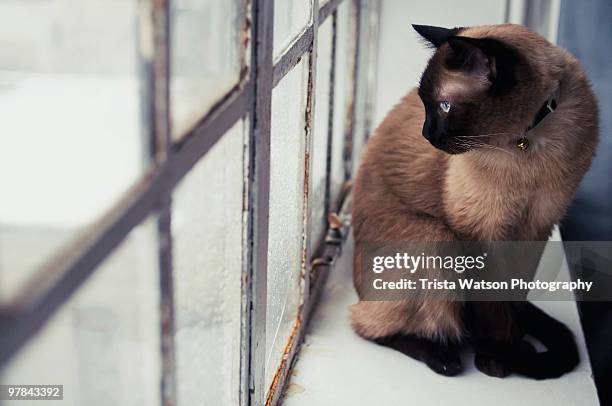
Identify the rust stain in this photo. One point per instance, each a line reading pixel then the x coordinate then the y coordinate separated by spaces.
pixel 308 132
pixel 245 39
pixel 283 365
pixel 305 216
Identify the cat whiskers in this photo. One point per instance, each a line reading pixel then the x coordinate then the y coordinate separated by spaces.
pixel 465 141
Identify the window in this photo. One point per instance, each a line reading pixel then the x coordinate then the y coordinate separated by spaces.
pixel 169 168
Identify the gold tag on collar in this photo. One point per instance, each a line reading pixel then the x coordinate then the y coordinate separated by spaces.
pixel 522 143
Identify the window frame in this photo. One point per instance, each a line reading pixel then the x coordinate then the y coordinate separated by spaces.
pixel 169 160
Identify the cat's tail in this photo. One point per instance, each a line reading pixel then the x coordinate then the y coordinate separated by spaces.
pixel 561 355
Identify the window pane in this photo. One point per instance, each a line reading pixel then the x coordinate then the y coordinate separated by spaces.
pixel 342 94
pixel 207 226
pixel 69 106
pixel 290 18
pixel 206 56
pixel 286 212
pixel 365 78
pixel 318 219
pixel 103 344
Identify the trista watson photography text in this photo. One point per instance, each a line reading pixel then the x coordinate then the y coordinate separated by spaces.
pixel 499 270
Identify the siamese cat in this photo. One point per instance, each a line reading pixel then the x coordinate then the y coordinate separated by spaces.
pixel 490 147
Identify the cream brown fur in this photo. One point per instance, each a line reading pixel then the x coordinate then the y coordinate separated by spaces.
pixel 408 190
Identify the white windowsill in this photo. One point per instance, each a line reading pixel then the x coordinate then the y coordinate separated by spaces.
pixel 336 367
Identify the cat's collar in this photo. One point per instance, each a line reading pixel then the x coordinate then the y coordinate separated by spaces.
pixel 548 107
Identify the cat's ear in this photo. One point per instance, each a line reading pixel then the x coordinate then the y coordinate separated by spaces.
pixel 436 36
pixel 488 59
pixel 472 56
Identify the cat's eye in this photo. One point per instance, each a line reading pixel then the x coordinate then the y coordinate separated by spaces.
pixel 445 106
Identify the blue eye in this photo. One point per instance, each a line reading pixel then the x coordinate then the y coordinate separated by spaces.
pixel 445 106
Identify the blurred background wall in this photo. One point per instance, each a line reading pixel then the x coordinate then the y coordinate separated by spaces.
pixel 585 30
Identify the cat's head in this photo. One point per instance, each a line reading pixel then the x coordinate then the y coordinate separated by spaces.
pixel 480 87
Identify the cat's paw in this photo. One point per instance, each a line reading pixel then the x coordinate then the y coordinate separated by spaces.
pixel 492 366
pixel 447 363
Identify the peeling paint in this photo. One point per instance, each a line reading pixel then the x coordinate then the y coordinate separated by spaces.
pixel 294 389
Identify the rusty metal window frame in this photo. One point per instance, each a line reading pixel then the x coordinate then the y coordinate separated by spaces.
pixel 171 160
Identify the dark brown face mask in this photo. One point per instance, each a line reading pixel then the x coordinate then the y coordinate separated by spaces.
pixel 491 65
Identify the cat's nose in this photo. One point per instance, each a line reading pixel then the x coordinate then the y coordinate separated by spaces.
pixel 433 134
pixel 436 137
pixel 433 131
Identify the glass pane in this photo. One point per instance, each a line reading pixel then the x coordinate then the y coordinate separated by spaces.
pixel 342 94
pixel 290 18
pixel 365 78
pixel 69 105
pixel 206 56
pixel 318 156
pixel 103 344
pixel 286 212
pixel 207 226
